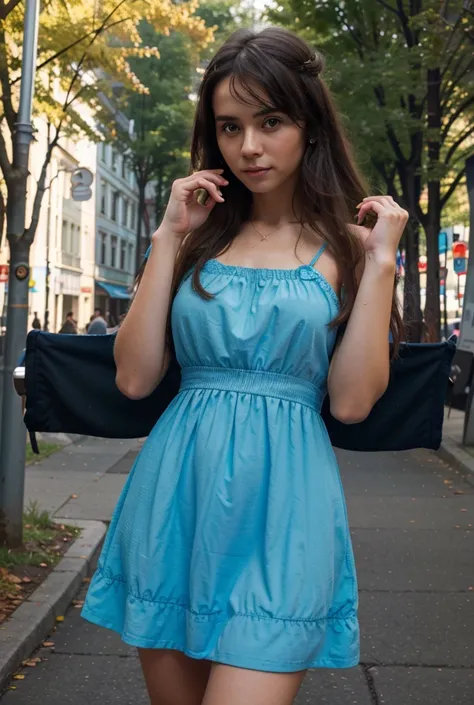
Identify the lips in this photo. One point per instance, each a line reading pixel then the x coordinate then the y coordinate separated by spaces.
pixel 254 170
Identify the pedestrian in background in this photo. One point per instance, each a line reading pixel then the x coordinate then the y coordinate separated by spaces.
pixel 70 325
pixel 228 561
pixel 36 324
pixel 98 324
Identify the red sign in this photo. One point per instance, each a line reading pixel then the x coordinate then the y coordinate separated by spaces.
pixel 86 289
pixel 460 249
pixel 422 264
pixel 4 269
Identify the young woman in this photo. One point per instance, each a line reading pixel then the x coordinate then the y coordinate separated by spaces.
pixel 228 562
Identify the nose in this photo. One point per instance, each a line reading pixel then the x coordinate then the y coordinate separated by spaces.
pixel 251 145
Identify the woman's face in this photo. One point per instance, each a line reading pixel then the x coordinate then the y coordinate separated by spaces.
pixel 262 148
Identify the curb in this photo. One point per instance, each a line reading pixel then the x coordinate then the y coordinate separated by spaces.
pixel 456 456
pixel 33 620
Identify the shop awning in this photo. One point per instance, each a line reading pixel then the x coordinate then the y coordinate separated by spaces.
pixel 115 291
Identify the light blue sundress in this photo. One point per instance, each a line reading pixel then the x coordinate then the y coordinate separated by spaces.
pixel 230 540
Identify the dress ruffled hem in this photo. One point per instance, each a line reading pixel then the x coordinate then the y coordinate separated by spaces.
pixel 227 637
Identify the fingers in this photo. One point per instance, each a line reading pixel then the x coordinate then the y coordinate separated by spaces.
pixel 209 180
pixel 381 205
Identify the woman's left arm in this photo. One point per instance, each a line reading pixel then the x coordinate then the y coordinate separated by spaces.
pixel 360 367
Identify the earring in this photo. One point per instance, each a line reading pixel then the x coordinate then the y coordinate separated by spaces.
pixel 312 140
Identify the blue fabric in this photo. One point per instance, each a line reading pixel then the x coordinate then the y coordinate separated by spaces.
pixel 230 540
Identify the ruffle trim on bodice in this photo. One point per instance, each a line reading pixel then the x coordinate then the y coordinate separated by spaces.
pixel 305 272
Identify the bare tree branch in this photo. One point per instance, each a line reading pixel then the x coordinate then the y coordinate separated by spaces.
pixel 457 144
pixel 446 95
pixel 461 108
pixel 8 109
pixel 5 164
pixel 30 232
pixel 389 7
pixel 452 187
pixel 9 7
pixel 58 54
pixel 2 215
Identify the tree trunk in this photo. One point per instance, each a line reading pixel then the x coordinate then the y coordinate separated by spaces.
pixel 433 219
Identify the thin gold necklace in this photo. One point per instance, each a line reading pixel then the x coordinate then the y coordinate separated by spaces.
pixel 265 237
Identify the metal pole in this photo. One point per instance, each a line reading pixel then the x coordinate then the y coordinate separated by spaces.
pixel 13 436
pixel 466 336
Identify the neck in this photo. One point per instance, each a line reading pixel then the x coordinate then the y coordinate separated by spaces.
pixel 276 207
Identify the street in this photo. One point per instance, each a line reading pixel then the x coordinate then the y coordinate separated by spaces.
pixel 411 518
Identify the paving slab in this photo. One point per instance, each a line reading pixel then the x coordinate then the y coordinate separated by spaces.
pixel 407 559
pixel 96 501
pixel 95 680
pixel 334 687
pixel 413 474
pixel 397 686
pixel 417 629
pixel 408 513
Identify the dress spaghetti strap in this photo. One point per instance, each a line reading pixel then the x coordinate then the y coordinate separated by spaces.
pixel 318 255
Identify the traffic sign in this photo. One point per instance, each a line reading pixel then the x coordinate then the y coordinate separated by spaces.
pixel 81 193
pixel 460 249
pixel 460 265
pixel 82 177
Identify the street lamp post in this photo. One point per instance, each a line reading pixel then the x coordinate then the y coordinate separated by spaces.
pixel 13 436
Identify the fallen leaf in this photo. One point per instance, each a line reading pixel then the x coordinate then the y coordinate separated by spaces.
pixel 86 580
pixel 12 687
pixel 13 579
pixel 458 491
pixel 26 579
pixel 19 677
pixel 464 510
pixel 448 482
pixel 74 496
pixel 43 565
pixel 78 603
pixel 48 644
pixel 59 619
pixel 30 664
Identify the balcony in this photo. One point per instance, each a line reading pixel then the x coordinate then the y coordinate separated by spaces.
pixel 71 260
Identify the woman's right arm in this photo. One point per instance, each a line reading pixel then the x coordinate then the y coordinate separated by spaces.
pixel 140 352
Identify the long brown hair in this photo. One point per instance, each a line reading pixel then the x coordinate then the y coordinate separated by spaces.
pixel 287 71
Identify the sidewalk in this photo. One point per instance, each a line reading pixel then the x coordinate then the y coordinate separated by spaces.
pixel 452 448
pixel 411 518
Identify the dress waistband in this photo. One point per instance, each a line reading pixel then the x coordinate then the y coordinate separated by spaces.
pixel 268 384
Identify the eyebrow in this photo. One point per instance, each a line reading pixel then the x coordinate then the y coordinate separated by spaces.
pixel 264 111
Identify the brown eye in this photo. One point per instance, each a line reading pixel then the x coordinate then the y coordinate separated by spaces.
pixel 272 122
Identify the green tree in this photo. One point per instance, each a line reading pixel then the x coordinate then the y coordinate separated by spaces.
pixel 84 48
pixel 403 76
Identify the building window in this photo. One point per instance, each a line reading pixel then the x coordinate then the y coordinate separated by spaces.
pixel 115 205
pixel 103 152
pixel 71 245
pixel 123 254
pixel 113 251
pixel 103 197
pixel 103 247
pixel 114 159
pixel 125 212
pixel 124 167
pixel 134 216
pixel 131 264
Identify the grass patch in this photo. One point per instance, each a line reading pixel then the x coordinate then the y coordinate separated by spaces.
pixel 44 542
pixel 45 449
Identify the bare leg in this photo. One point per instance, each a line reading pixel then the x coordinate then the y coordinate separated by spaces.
pixel 238 686
pixel 172 678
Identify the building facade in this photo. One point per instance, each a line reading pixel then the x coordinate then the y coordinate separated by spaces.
pixel 62 257
pixel 116 225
